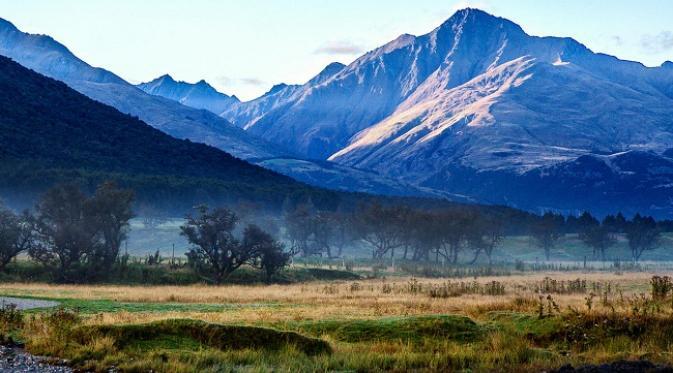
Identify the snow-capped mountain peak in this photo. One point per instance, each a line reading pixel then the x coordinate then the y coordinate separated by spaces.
pixel 476 95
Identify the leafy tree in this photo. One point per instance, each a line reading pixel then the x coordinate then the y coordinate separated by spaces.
pixel 16 235
pixel 78 235
pixel 216 253
pixel 109 210
pixel 546 232
pixel 595 235
pixel 270 255
pixel 616 224
pixel 65 235
pixel 643 235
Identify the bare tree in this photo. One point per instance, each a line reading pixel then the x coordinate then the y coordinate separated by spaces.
pixel 379 227
pixel 151 216
pixel 485 236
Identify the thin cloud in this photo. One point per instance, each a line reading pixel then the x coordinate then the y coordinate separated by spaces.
pixel 340 48
pixel 617 40
pixel 228 82
pixel 252 81
pixel 662 42
pixel 224 80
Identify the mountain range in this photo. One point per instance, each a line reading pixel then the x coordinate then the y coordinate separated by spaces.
pixel 476 109
pixel 185 111
pixel 49 134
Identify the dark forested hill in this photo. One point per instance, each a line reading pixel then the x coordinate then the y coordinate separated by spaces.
pixel 50 133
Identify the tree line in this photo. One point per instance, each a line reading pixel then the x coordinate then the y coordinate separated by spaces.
pixel 78 236
pixel 444 234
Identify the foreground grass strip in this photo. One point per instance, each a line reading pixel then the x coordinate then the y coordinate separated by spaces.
pixel 85 306
pixel 223 337
pixel 98 306
pixel 411 329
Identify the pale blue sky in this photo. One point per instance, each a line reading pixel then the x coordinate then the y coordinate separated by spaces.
pixel 243 47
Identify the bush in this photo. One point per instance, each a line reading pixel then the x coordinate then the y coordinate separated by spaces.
pixel 661 287
pixel 11 320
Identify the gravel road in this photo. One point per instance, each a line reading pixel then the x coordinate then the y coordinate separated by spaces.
pixel 27 304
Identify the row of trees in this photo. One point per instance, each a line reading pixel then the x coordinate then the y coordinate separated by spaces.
pixel 79 237
pixel 75 235
pixel 444 234
pixel 642 233
pixel 395 230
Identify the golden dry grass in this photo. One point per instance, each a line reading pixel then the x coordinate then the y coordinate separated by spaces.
pixel 295 293
pixel 313 301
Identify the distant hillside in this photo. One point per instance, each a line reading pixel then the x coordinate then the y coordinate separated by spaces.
pixel 51 58
pixel 50 133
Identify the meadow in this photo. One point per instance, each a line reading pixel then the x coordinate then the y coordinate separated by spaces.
pixel 530 320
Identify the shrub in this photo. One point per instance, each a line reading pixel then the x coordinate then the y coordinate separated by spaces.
pixel 661 287
pixel 11 320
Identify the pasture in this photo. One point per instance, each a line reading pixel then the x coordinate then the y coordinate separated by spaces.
pixel 533 320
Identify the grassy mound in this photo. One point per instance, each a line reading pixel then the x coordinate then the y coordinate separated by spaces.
pixel 186 333
pixel 411 329
pixel 532 326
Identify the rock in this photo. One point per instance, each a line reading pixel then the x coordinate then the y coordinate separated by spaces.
pixel 16 360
